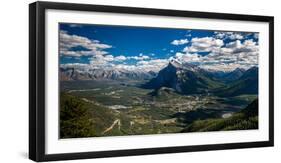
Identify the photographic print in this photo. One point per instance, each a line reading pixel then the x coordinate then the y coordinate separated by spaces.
pixel 107 81
pixel 126 80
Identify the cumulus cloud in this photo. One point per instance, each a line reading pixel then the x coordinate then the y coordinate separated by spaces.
pixel 87 46
pixel 144 66
pixel 222 57
pixel 234 54
pixel 120 58
pixel 100 62
pixel 187 57
pixel 246 46
pixel 204 44
pixel 179 42
pixel 256 35
pixel 140 57
pixel 224 51
pixel 230 35
pixel 152 65
pixel 77 66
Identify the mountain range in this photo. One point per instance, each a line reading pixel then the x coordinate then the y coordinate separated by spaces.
pixel 67 74
pixel 246 84
pixel 184 78
pixel 191 79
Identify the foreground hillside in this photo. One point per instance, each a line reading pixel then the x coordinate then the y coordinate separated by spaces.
pixel 245 119
pixel 80 117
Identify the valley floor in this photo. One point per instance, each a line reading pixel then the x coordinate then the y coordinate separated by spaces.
pixel 107 108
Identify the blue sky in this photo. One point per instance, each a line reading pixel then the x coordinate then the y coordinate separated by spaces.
pixel 129 47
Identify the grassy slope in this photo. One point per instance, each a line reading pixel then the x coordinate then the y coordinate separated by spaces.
pixel 82 119
pixel 79 118
pixel 245 119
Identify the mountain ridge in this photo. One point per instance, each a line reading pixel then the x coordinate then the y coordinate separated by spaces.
pixel 191 79
pixel 67 74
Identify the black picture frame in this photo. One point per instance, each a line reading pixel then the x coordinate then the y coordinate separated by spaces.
pixel 37 80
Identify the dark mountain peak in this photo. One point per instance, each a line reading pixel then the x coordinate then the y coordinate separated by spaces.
pixel 184 78
pixel 174 64
pixel 234 75
pixel 246 84
pixel 254 68
pixel 250 73
pixel 238 69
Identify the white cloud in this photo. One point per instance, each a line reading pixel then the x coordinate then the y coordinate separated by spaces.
pixel 229 35
pixel 204 44
pixel 120 58
pixel 140 57
pixel 78 66
pixel 75 25
pixel 179 42
pixel 256 35
pixel 144 63
pixel 246 46
pixel 236 36
pixel 99 62
pixel 105 60
pixel 89 47
pixel 220 35
pixel 108 58
pixel 186 57
pixel 234 54
pixel 221 58
pixel 154 65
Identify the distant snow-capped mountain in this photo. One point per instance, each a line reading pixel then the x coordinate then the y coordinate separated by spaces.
pixel 100 74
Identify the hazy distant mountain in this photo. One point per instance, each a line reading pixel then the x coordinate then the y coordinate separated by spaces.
pixel 225 76
pixel 234 75
pixel 73 74
pixel 246 84
pixel 100 74
pixel 184 78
